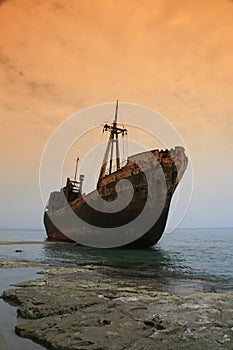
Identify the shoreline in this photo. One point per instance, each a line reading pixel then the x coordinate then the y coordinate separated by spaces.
pixel 30 242
pixel 78 307
pixel 11 275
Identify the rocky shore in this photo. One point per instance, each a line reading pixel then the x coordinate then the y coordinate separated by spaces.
pixel 79 308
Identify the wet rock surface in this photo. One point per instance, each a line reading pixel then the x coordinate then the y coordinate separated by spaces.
pixel 17 264
pixel 78 308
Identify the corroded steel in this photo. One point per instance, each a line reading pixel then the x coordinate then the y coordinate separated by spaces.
pixel 173 163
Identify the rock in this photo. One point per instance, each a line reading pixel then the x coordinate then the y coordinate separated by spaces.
pixel 188 333
pixel 224 339
pixel 17 264
pixel 71 310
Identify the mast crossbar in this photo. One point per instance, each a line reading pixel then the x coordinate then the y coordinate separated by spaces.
pixel 114 131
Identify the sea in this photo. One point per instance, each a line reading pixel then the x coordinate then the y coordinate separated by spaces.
pixel 184 262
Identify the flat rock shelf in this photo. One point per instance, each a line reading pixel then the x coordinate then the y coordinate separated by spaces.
pixel 66 309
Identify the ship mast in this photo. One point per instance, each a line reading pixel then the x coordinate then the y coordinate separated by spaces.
pixel 112 141
pixel 76 169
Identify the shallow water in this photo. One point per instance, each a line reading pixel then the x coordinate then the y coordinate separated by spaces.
pixel 183 261
pixel 8 319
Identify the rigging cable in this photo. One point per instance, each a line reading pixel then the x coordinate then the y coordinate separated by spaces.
pixel 123 145
pixel 127 147
pixel 93 165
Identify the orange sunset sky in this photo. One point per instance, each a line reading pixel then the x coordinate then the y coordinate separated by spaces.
pixel 174 56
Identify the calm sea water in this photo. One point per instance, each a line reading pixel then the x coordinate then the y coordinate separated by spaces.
pixel 186 260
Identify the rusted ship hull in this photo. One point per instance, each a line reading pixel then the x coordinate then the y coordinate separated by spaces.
pixel 164 177
pixel 149 239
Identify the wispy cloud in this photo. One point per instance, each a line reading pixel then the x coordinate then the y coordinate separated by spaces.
pixel 9 66
pixel 58 57
pixel 3 1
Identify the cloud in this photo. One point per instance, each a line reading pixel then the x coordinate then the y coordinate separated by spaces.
pixel 9 66
pixel 3 1
pixel 58 57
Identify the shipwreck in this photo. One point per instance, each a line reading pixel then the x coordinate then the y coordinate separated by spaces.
pixel 132 215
